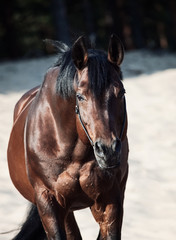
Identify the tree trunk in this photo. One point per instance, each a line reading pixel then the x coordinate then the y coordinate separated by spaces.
pixel 89 20
pixel 60 20
pixel 136 21
pixel 171 24
pixel 10 40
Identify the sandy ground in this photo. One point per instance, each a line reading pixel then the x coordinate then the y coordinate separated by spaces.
pixel 150 203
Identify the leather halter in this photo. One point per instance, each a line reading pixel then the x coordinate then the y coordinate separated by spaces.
pixel 85 130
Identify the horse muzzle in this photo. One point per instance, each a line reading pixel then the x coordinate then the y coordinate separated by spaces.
pixel 108 156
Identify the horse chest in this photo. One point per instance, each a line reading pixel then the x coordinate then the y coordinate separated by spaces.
pixel 81 186
pixel 95 181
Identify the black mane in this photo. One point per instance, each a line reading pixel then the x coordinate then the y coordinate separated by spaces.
pixel 99 72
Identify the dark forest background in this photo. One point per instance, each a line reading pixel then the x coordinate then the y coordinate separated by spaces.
pixel 139 23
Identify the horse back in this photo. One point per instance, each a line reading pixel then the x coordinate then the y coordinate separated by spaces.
pixel 16 152
pixel 24 101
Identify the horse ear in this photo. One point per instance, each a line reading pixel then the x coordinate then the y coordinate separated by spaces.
pixel 115 50
pixel 79 53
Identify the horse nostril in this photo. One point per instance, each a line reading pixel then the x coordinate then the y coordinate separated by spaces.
pixel 99 148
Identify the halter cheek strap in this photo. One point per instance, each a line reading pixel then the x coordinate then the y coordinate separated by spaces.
pixel 124 119
pixel 82 124
pixel 85 130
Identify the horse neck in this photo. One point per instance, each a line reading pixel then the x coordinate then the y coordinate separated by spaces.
pixel 61 111
pixel 64 113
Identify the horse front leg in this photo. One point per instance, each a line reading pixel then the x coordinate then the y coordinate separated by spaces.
pixel 52 215
pixel 71 227
pixel 109 215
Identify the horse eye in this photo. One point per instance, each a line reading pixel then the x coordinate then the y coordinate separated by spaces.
pixel 80 97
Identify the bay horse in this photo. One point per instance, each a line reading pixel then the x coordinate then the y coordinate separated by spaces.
pixel 68 147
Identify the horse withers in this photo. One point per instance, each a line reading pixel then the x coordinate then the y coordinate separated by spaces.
pixel 68 147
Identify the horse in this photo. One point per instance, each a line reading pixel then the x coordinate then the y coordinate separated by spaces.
pixel 68 147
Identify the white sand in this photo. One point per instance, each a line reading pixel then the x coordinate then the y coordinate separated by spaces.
pixel 150 203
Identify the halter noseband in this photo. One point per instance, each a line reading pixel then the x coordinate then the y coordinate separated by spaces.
pixel 85 130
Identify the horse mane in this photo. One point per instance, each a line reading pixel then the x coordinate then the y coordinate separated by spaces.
pixel 99 71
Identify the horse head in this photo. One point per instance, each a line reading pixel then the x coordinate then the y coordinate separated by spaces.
pixel 100 100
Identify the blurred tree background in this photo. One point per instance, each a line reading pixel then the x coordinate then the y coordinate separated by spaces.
pixel 139 24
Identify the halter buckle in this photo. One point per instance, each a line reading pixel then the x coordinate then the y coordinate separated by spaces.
pixel 76 109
